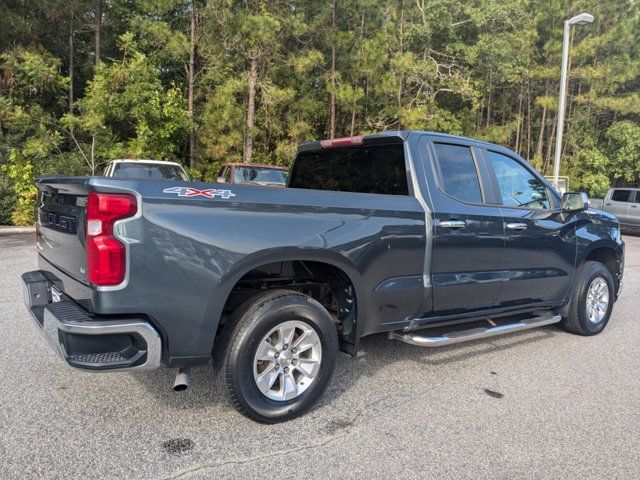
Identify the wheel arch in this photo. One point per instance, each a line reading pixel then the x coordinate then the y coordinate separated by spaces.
pixel 251 263
pixel 610 255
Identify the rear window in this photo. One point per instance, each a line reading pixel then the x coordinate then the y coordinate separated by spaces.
pixel 366 169
pixel 458 172
pixel 153 171
pixel 621 195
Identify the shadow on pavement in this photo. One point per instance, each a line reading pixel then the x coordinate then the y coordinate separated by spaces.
pixel 376 352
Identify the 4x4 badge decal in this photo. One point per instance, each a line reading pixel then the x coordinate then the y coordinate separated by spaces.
pixel 190 192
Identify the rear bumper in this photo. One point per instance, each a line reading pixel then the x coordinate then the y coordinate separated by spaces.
pixel 86 342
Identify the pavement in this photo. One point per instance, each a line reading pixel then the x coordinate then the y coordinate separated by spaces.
pixel 537 404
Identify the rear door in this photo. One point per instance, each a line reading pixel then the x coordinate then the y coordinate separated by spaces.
pixel 540 243
pixel 468 228
pixel 617 202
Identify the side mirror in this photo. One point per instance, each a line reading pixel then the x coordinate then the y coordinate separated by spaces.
pixel 220 180
pixel 575 202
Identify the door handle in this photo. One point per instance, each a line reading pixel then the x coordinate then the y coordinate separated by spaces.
pixel 453 224
pixel 608 203
pixel 516 226
pixel 633 206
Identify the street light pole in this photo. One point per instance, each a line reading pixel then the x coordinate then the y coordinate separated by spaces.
pixel 581 19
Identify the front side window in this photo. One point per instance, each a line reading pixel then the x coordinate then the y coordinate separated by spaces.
pixel 621 195
pixel 458 172
pixel 518 186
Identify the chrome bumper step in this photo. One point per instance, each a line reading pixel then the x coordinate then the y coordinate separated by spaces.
pixel 475 333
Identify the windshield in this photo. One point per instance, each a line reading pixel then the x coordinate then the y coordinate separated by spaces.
pixel 260 176
pixel 155 171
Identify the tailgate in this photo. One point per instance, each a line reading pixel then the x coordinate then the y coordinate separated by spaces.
pixel 60 212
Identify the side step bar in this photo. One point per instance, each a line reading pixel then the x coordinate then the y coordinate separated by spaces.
pixel 475 333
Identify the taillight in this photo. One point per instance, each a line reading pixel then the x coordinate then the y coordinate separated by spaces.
pixel 106 255
pixel 342 142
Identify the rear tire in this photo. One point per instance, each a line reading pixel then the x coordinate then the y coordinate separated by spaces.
pixel 591 302
pixel 277 356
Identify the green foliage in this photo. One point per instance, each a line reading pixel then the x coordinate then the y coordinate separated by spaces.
pixel 487 69
pixel 624 147
pixel 7 201
pixel 129 112
pixel 31 89
pixel 593 174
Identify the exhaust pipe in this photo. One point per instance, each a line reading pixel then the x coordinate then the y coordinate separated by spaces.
pixel 182 380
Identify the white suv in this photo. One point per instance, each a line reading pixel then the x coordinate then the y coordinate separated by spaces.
pixel 151 169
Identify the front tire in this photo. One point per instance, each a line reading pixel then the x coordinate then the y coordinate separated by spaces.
pixel 278 356
pixel 591 302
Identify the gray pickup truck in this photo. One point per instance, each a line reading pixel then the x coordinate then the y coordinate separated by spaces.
pixel 430 238
pixel 624 203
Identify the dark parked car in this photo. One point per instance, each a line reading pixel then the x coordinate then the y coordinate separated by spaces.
pixel 253 174
pixel 397 232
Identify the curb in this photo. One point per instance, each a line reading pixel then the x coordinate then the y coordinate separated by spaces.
pixel 9 230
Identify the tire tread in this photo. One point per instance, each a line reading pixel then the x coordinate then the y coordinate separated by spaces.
pixel 230 340
pixel 573 323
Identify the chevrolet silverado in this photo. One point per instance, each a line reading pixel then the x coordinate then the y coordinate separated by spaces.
pixel 432 239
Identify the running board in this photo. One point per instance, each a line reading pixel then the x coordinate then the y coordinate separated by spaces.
pixel 475 333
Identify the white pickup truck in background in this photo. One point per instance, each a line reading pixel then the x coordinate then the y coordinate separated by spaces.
pixel 149 169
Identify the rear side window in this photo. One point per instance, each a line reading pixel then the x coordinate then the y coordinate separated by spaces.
pixel 458 172
pixel 621 195
pixel 366 169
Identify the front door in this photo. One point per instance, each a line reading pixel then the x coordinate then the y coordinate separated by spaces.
pixel 617 202
pixel 468 230
pixel 540 244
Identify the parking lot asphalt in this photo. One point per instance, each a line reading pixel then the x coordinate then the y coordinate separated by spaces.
pixel 538 404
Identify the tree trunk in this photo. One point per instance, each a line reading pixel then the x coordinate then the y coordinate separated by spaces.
pixel 519 127
pixel 251 107
pixel 542 124
pixel 332 95
pixel 543 120
pixel 71 51
pixel 489 101
pixel 353 109
pixel 93 155
pixel 528 150
pixel 191 81
pixel 547 160
pixel 400 49
pixel 98 31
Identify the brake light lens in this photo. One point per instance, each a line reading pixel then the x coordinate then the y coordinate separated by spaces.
pixel 106 255
pixel 342 142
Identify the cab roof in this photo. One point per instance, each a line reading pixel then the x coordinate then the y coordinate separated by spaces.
pixel 143 160
pixel 262 165
pixel 389 136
